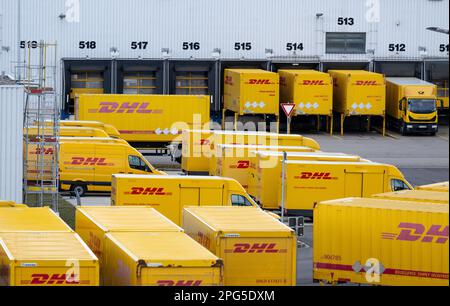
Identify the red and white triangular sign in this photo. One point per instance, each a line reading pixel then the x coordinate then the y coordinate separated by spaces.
pixel 288 108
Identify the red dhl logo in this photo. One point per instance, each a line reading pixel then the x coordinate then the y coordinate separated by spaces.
pixel 366 83
pixel 242 164
pixel 259 82
pixel 203 239
pixel 54 279
pixel 149 191
pixel 88 161
pixel 313 82
pixel 228 80
pixel 205 142
pixel 181 283
pixel 45 151
pixel 418 232
pixel 315 176
pixel 126 107
pixel 263 248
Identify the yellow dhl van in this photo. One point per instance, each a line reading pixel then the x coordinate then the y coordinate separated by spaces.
pixel 46 259
pixel 310 182
pixel 199 146
pixel 159 259
pixel 93 223
pixel 108 128
pixel 67 131
pixel 90 166
pixel 412 105
pixel 440 187
pixel 265 173
pixel 416 196
pixel 170 194
pixel 257 250
pixel 405 243
pixel 146 118
pixel 24 219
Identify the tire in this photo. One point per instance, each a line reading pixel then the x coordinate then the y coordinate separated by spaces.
pixel 403 129
pixel 80 188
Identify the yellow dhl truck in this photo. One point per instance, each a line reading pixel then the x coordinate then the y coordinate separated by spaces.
pixel 310 182
pixel 199 146
pixel 412 105
pixel 264 174
pixel 89 166
pixel 108 128
pixel 424 196
pixel 170 194
pixel 143 119
pixel 159 259
pixel 311 91
pixel 66 261
pixel 408 246
pixel 256 249
pixel 441 187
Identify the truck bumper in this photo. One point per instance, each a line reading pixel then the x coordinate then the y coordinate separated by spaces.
pixel 421 128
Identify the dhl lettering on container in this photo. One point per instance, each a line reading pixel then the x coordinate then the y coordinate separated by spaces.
pixel 257 250
pixel 265 173
pixel 416 196
pixel 159 259
pixel 146 118
pixel 310 182
pixel 170 194
pixel 66 262
pixel 409 248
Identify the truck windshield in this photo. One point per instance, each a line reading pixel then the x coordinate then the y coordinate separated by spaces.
pixel 420 106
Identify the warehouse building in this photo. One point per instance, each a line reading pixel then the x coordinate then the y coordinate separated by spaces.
pixel 183 47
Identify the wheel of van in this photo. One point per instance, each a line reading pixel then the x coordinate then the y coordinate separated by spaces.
pixel 80 189
pixel 403 129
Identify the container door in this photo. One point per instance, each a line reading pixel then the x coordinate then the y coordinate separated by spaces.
pixel 373 183
pixel 353 184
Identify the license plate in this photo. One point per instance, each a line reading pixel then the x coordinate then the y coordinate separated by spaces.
pixel 422 126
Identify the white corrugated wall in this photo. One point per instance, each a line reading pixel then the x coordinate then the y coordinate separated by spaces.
pixel 11 142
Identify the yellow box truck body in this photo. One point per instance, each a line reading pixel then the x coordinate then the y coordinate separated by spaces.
pixel 416 196
pixel 412 105
pixel 146 118
pixel 358 92
pixel 24 219
pixel 235 161
pixel 196 151
pixel 408 246
pixel 170 194
pixel 311 91
pixel 90 166
pixel 159 259
pixel 46 259
pixel 440 187
pixel 310 182
pixel 256 249
pixel 265 173
pixel 251 91
pixel 93 223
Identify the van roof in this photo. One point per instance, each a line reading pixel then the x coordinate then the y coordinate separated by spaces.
pixel 408 81
pixel 416 195
pixel 31 220
pixel 166 249
pixel 172 177
pixel 122 218
pixel 46 246
pixel 247 221
pixel 388 204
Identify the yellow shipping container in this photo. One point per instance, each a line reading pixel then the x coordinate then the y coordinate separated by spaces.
pixel 21 219
pixel 257 250
pixel 408 248
pixel 251 91
pixel 440 187
pixel 265 173
pixel 46 259
pixel 310 182
pixel 358 92
pixel 146 118
pixel 311 91
pixel 159 259
pixel 196 151
pixel 416 196
pixel 235 161
pixel 170 194
pixel 93 223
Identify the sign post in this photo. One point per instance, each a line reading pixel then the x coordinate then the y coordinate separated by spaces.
pixel 288 109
